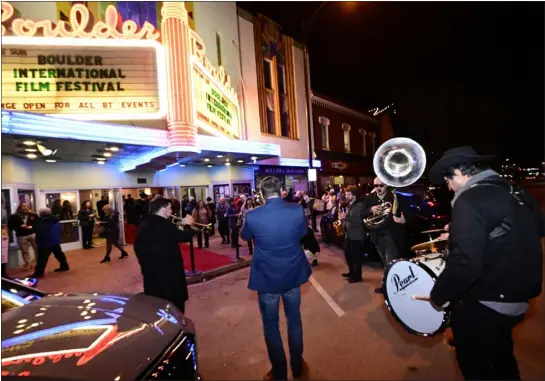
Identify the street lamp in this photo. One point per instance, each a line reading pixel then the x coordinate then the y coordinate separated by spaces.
pixel 305 29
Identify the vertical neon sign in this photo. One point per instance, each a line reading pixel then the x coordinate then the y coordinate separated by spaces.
pixel 176 37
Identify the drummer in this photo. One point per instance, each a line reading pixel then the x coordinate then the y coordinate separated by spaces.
pixel 494 266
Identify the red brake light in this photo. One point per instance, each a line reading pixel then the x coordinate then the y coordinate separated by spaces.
pixel 431 203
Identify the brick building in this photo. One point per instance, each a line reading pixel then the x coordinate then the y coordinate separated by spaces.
pixel 345 141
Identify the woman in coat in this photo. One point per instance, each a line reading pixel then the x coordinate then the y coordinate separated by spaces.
pixel 248 205
pixel 111 232
pixel 202 215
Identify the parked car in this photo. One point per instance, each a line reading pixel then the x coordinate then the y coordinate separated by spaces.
pixel 94 336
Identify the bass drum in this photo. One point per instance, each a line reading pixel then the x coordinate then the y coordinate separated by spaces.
pixel 405 278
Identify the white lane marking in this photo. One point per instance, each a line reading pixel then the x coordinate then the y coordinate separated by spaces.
pixel 334 306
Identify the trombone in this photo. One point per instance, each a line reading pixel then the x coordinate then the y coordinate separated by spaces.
pixel 188 221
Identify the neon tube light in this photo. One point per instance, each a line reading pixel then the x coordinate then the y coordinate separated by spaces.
pixel 75 42
pixel 210 143
pixel 288 162
pixel 46 126
pixel 205 143
pixel 131 163
pixel 78 24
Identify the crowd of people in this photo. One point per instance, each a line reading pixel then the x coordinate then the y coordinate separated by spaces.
pixel 493 268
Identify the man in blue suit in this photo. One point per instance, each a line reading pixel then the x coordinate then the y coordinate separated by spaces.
pixel 279 268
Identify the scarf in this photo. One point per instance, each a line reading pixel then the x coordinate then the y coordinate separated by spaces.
pixel 472 181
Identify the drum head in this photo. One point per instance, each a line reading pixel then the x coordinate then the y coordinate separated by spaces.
pixel 402 280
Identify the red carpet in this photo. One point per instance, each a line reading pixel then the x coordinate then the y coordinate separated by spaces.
pixel 204 259
pixel 130 233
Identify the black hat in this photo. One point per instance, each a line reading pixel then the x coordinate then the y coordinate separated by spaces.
pixel 452 157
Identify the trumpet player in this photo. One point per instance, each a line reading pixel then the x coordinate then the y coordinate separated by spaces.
pixel 389 236
pixel 202 215
pixel 157 247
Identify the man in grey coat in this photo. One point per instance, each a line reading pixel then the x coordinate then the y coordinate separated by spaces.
pixel 354 235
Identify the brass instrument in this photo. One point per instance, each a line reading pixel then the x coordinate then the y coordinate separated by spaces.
pixel 339 224
pixel 398 162
pixel 188 221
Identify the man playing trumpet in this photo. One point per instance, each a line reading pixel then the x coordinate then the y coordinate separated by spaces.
pixel 157 247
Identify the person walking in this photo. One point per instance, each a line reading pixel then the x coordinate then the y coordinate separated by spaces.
pixel 111 232
pixel 278 270
pixel 48 239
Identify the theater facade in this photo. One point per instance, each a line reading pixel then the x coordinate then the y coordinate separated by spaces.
pixel 112 99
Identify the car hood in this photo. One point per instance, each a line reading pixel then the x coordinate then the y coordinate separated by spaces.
pixel 88 336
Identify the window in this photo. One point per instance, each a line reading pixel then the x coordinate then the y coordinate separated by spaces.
pixel 270 96
pixel 364 146
pixel 267 65
pixel 218 48
pixel 346 129
pixel 283 101
pixel 324 129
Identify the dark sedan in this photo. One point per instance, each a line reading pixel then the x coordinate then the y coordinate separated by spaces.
pixel 94 336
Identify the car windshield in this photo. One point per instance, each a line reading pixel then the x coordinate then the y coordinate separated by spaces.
pixel 15 294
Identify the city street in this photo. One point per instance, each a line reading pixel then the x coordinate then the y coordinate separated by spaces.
pixel 348 332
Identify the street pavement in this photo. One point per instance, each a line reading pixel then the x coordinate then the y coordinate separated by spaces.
pixel 348 332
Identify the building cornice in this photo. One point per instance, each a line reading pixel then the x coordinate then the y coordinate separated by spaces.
pixel 337 107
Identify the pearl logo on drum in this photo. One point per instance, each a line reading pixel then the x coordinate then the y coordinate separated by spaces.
pixel 402 283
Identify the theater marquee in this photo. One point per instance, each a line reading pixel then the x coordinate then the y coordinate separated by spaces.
pixel 75 74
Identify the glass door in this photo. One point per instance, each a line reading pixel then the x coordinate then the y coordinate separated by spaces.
pixel 198 193
pixel 65 205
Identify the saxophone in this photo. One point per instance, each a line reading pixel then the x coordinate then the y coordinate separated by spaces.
pixel 339 224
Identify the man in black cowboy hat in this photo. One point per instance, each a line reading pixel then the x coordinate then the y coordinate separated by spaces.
pixel 494 266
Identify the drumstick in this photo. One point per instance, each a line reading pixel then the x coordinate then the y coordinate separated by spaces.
pixel 421 297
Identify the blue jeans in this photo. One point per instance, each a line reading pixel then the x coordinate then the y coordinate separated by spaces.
pixel 269 306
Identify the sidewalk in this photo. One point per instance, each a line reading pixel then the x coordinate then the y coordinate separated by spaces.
pixel 123 275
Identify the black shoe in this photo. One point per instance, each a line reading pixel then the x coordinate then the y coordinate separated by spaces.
pixel 61 269
pixel 315 263
pixel 207 246
pixel 36 276
pixel 106 259
pixel 379 290
pixel 346 275
pixel 124 255
pixel 355 280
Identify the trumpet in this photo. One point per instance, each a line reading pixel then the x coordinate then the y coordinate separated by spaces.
pixel 199 227
pixel 188 221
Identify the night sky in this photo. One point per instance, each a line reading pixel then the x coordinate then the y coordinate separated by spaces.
pixel 460 73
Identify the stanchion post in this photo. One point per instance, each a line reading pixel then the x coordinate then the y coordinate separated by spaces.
pixel 193 271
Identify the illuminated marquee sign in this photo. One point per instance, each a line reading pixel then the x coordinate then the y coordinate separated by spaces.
pixel 83 78
pixel 216 103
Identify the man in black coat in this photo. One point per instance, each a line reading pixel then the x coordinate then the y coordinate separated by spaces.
pixel 389 237
pixel 354 235
pixel 48 239
pixel 494 266
pixel 157 247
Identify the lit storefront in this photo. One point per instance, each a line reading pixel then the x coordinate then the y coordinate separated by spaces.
pixel 112 110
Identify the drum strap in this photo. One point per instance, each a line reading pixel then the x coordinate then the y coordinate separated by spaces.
pixel 506 225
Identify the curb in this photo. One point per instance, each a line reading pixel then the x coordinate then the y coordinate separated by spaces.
pixel 211 274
